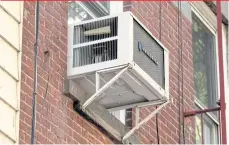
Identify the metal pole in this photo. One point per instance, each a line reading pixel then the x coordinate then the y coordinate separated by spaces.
pixel 35 76
pixel 195 112
pixel 221 75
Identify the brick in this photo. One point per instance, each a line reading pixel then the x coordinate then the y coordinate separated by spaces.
pixel 79 138
pixel 60 10
pixel 59 123
pixel 169 38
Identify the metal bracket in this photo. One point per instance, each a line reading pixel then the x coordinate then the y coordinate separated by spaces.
pixel 195 112
pixel 137 116
pixel 107 85
pixel 128 134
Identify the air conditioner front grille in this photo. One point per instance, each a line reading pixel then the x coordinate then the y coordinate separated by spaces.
pixel 95 31
pixel 95 53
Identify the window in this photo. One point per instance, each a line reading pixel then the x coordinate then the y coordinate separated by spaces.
pixel 205 76
pixel 204 63
pixel 210 130
pixel 78 12
pixel 82 11
pixel 105 4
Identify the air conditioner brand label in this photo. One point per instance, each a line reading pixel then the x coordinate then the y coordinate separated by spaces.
pixel 142 49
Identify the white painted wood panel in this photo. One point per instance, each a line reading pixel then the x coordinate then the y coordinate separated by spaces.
pixel 9 28
pixel 5 140
pixel 10 64
pixel 12 7
pixel 9 58
pixel 8 89
pixel 7 121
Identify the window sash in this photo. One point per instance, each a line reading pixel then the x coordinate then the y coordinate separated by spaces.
pixel 212 116
pixel 215 85
pixel 197 9
pixel 97 8
pixel 210 130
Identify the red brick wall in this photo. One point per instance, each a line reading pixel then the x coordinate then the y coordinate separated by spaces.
pixel 57 122
pixel 168 120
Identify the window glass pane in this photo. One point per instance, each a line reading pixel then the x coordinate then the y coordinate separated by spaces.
pixel 207 134
pixel 203 42
pixel 198 131
pixel 77 13
pixel 210 130
pixel 106 4
pixel 97 8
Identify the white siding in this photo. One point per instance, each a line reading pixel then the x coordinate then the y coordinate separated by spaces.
pixel 13 8
pixel 7 121
pixel 8 90
pixel 10 63
pixel 4 139
pixel 10 29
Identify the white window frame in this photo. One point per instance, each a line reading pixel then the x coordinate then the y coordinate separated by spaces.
pixel 212 28
pixel 211 24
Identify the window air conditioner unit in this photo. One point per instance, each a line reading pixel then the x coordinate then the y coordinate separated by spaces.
pixel 118 62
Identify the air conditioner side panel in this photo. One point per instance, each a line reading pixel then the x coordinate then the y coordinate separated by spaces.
pixel 146 52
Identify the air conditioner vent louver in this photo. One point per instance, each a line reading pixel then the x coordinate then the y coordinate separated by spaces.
pixel 95 31
pixel 95 53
